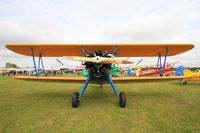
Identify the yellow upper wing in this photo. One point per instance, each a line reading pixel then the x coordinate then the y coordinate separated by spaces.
pixel 123 50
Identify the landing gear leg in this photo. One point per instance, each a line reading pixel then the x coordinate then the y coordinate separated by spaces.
pixel 101 85
pixel 76 97
pixel 121 95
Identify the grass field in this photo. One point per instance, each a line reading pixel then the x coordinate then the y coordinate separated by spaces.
pixel 151 107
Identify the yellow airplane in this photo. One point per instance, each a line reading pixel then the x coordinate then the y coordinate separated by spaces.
pixel 98 59
pixel 195 75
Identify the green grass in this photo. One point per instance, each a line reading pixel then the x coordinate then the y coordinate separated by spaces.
pixel 151 107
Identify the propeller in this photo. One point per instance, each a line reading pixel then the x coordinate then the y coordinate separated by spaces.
pixel 99 59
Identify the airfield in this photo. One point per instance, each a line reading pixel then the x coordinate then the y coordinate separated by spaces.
pixel 27 106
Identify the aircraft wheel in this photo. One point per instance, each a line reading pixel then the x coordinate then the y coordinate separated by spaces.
pixel 75 99
pixel 184 82
pixel 122 99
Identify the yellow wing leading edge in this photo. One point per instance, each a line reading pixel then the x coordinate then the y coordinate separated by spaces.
pixel 123 50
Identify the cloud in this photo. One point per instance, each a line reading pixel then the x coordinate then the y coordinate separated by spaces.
pixel 12 33
pixel 154 30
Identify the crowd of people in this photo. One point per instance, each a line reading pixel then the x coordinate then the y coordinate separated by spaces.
pixel 32 73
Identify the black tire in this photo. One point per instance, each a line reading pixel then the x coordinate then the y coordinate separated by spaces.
pixel 75 99
pixel 185 82
pixel 122 99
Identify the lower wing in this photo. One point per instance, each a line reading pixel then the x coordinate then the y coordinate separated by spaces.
pixel 52 79
pixel 148 79
pixel 115 80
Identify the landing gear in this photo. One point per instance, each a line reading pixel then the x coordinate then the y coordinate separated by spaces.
pixel 75 99
pixel 184 82
pixel 122 99
pixel 101 85
pixel 75 95
pixel 121 95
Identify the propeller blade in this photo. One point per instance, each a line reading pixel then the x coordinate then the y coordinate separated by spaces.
pixel 115 61
pixel 79 58
pixel 98 59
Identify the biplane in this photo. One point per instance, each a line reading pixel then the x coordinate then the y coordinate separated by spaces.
pixel 183 71
pixel 98 60
pixel 195 75
pixel 146 70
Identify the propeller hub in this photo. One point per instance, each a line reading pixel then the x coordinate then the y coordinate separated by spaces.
pixel 98 59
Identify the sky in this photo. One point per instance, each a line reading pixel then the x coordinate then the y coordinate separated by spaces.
pixel 99 21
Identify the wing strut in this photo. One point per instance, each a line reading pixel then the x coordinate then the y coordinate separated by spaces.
pixel 163 69
pixel 84 51
pixel 114 52
pixel 42 64
pixel 37 70
pixel 159 62
pixel 33 56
